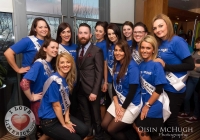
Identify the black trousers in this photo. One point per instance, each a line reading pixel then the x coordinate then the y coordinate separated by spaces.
pixel 91 113
pixel 53 128
pixel 172 122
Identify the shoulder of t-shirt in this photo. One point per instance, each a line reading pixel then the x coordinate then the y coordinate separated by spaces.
pixel 177 39
pixel 133 64
pixel 74 45
pixel 37 64
pixel 157 64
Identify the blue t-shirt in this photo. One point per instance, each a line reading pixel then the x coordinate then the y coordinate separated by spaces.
pixel 110 61
pixel 172 53
pixel 37 75
pixel 130 42
pixel 103 46
pixel 131 77
pixel 71 49
pixel 153 73
pixel 52 95
pixel 27 48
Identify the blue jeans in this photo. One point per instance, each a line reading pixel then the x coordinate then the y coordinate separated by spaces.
pixel 53 129
pixel 190 89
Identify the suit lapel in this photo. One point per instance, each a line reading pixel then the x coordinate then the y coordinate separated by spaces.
pixel 86 54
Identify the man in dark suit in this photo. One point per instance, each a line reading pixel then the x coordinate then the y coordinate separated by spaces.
pixel 90 74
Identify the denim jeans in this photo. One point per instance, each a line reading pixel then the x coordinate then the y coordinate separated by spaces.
pixel 190 89
pixel 53 129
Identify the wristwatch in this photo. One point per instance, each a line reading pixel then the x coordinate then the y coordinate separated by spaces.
pixel 148 104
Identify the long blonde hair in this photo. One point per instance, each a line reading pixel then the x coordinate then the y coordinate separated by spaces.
pixel 72 74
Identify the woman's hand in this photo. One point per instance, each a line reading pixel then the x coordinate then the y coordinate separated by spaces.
pixel 160 60
pixel 144 112
pixel 104 87
pixel 117 109
pixel 70 127
pixel 121 114
pixel 36 97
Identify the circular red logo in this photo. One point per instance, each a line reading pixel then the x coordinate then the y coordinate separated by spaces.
pixel 20 121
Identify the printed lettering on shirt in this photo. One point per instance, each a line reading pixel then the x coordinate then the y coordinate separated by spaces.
pixel 111 57
pixel 146 72
pixel 162 51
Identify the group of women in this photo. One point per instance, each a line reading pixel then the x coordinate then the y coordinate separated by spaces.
pixel 144 76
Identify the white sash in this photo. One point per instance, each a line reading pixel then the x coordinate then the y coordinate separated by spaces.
pixel 65 98
pixel 62 49
pixel 136 56
pixel 132 108
pixel 177 83
pixel 46 66
pixel 34 40
pixel 163 98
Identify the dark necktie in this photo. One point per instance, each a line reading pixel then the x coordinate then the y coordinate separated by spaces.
pixel 81 54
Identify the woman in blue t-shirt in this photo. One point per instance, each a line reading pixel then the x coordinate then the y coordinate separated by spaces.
pixel 56 120
pixel 64 38
pixel 174 55
pixel 152 79
pixel 29 45
pixel 114 35
pixel 139 32
pixel 126 103
pixel 33 81
pixel 127 32
pixel 101 42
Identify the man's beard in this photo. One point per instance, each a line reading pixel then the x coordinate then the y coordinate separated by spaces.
pixel 83 41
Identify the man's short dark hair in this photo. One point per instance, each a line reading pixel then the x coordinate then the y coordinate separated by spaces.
pixel 86 25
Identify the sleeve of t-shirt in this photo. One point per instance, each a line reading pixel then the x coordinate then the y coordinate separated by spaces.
pixel 133 73
pixel 32 74
pixel 159 74
pixel 53 91
pixel 104 53
pixel 21 46
pixel 181 48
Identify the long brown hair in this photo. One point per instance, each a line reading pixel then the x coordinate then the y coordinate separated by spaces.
pixel 42 54
pixel 129 23
pixel 34 25
pixel 127 58
pixel 62 27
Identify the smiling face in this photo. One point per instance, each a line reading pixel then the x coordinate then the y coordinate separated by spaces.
pixel 128 32
pixel 146 51
pixel 99 33
pixel 139 33
pixel 119 53
pixel 160 29
pixel 64 66
pixel 41 29
pixel 51 50
pixel 65 36
pixel 112 36
pixel 84 35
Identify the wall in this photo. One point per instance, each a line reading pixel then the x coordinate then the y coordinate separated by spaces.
pixel 121 11
pixel 139 11
pixel 6 6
